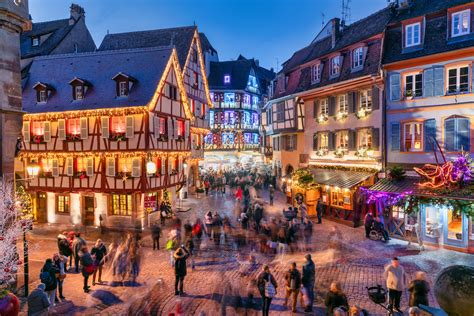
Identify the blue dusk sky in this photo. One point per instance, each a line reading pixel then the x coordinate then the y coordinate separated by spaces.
pixel 268 30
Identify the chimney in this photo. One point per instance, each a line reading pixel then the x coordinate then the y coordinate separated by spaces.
pixel 335 31
pixel 257 62
pixel 77 12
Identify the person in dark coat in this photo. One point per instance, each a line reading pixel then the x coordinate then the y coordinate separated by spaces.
pixel 49 279
pixel 368 221
pixel 87 266
pixel 379 226
pixel 335 298
pixel 319 210
pixel 77 245
pixel 98 252
pixel 293 285
pixel 263 283
pixel 180 256
pixel 64 247
pixel 38 301
pixel 419 290
pixel 155 235
pixel 308 279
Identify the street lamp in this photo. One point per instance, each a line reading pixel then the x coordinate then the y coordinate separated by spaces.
pixel 150 167
pixel 33 170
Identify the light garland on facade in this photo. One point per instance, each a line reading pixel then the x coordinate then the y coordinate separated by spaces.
pixel 203 70
pixel 142 154
pixel 86 113
pixel 199 130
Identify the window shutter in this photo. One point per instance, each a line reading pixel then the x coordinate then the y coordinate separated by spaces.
pixel 110 166
pixel 197 109
pixel 375 98
pixel 395 93
pixel 463 134
pixel 352 140
pixel 26 131
pixel 47 131
pixel 90 167
pixel 430 134
pixel 186 129
pixel 55 168
pixel 170 165
pixel 163 165
pixel 104 122
pixel 332 106
pixel 156 126
pixel 376 138
pixel 130 126
pixel 175 128
pixel 356 101
pixel 69 166
pixel 449 134
pixel 84 128
pixel 180 164
pixel 61 129
pixel 315 108
pixel 315 141
pixel 170 128
pixel 395 137
pixel 331 141
pixel 136 170
pixel 438 80
pixel 351 102
pixel 428 82
pixel 206 111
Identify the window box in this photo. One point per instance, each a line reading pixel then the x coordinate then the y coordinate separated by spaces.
pixel 117 136
pixel 340 116
pixel 81 175
pixel 362 113
pixel 322 118
pixel 340 152
pixel 162 138
pixel 197 147
pixel 73 137
pixel 364 152
pixel 46 174
pixel 124 175
pixel 180 138
pixel 174 172
pixel 38 139
pixel 322 152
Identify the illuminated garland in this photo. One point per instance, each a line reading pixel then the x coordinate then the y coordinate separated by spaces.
pixel 203 69
pixel 86 113
pixel 303 179
pixel 199 130
pixel 143 154
pixel 347 168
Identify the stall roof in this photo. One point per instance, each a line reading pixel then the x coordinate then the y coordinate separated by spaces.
pixel 339 178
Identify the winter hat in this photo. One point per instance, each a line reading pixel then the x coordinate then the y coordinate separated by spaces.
pixel 41 286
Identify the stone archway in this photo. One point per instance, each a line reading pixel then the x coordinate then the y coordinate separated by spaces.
pixel 289 170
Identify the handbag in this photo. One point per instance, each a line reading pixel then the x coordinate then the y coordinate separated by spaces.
pixel 62 276
pixel 90 269
pixel 270 290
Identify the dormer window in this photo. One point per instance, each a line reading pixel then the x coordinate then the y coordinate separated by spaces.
pixel 123 89
pixel 35 41
pixel 413 34
pixel 79 88
pixel 358 58
pixel 41 96
pixel 316 73
pixel 124 84
pixel 461 23
pixel 43 91
pixel 226 78
pixel 78 92
pixel 336 64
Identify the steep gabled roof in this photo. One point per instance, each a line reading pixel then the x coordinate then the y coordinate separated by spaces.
pixel 145 65
pixel 179 37
pixel 205 44
pixel 58 29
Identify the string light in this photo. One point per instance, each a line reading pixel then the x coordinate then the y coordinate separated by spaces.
pixel 85 113
pixel 142 154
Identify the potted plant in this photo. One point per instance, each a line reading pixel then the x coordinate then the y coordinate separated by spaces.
pixel 397 173
pixel 73 137
pixel 116 136
pixel 38 139
pixel 409 95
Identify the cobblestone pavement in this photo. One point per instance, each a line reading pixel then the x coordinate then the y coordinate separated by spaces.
pixel 219 284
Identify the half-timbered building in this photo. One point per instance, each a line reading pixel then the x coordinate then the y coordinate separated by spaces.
pixel 194 52
pixel 111 133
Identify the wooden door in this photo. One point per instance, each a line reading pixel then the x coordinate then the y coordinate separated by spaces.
pixel 41 207
pixel 88 211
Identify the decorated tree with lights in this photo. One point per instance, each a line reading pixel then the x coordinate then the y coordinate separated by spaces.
pixel 15 219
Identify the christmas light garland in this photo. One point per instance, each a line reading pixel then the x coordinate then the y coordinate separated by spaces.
pixel 119 154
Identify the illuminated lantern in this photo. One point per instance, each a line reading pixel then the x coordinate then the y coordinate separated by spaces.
pixel 33 170
pixel 150 167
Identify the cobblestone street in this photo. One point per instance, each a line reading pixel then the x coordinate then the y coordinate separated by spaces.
pixel 218 285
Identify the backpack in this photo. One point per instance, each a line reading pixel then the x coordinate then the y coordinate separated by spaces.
pixel 270 290
pixel 46 279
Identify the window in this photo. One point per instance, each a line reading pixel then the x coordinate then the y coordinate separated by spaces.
pixel 172 92
pixel 195 80
pixel 38 128
pixel 252 82
pixel 125 165
pixel 78 92
pixel 81 164
pixel 227 79
pixel 280 112
pixel 63 203
pixel 323 107
pixel 323 141
pixel 366 100
pixel 229 99
pixel 342 103
pixel 461 23
pixel 413 136
pixel 123 89
pixel 122 204
pixel 458 80
pixel 180 128
pixel 194 56
pixel 118 124
pixel 74 126
pixel 35 41
pixel 414 85
pixel 342 140
pixel 335 65
pixel 365 138
pixel 246 99
pixel 412 35
pixel 290 142
pixel 357 57
pixel 287 78
pixel 41 96
pixel 316 73
pixel 162 124
pixel 457 134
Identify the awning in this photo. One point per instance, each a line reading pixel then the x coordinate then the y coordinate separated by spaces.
pixel 340 178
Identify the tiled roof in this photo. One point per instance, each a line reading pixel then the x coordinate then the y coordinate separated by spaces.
pixel 205 44
pixel 98 68
pixel 59 30
pixel 179 37
pixel 339 178
pixel 436 38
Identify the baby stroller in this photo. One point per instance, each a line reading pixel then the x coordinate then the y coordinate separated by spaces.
pixel 378 295
pixel 376 232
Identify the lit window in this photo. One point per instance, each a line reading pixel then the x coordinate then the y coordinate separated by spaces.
pixel 78 92
pixel 172 92
pixel 122 204
pixel 118 124
pixel 63 204
pixel 366 100
pixel 323 107
pixel 195 80
pixel 365 138
pixel 323 141
pixel 252 82
pixel 47 166
pixel 412 34
pixel 357 57
pixel 254 100
pixel 74 126
pixel 335 65
pixel 342 103
pixel 413 138
pixel 123 88
pixel 162 125
pixel 229 99
pixel 38 128
pixel 81 164
pixel 125 165
pixel 342 140
pixel 246 100
pixel 414 85
pixel 456 134
pixel 180 128
pixel 227 79
pixel 461 23
pixel 316 73
pixel 458 80
pixel 35 41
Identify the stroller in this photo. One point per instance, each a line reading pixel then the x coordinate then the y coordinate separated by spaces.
pixel 378 295
pixel 376 232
